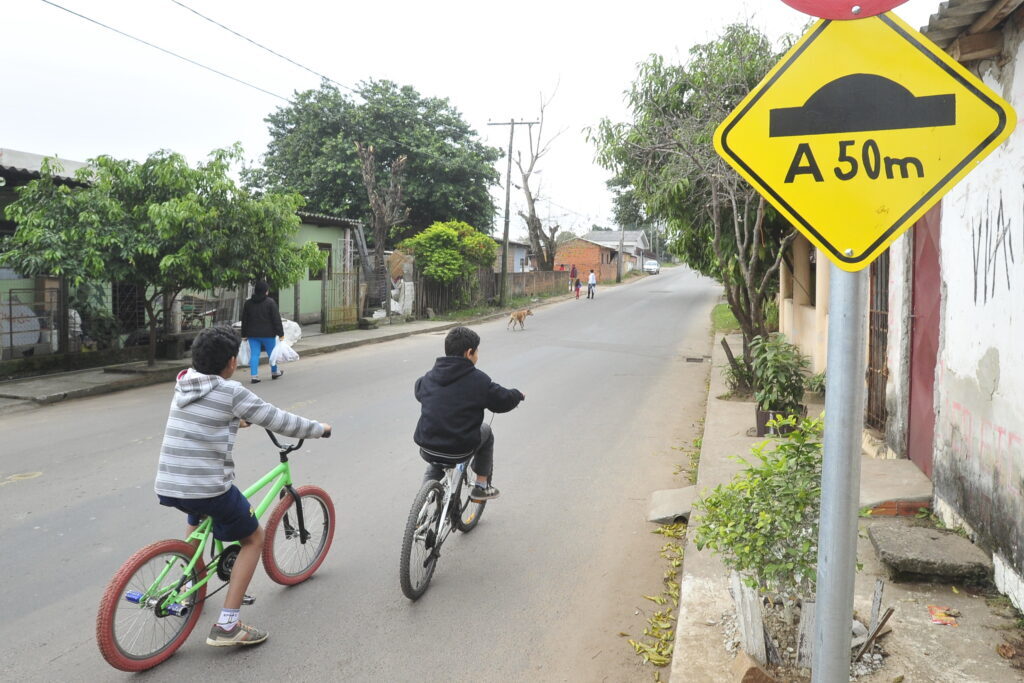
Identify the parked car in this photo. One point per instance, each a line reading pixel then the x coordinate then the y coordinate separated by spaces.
pixel 652 267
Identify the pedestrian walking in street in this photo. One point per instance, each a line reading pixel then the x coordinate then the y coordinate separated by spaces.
pixel 578 285
pixel 262 327
pixel 573 276
pixel 591 285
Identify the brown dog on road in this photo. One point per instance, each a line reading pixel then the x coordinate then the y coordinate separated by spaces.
pixel 518 317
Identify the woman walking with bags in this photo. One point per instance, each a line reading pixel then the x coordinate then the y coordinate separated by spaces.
pixel 261 325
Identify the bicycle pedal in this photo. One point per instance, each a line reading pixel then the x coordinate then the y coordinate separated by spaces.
pixel 248 599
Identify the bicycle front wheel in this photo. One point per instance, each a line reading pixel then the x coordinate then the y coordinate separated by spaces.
pixel 469 512
pixel 418 559
pixel 286 558
pixel 132 633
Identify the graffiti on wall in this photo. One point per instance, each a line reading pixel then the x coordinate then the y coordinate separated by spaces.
pixel 993 251
pixel 986 466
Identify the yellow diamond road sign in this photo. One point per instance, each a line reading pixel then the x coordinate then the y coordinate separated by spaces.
pixel 859 130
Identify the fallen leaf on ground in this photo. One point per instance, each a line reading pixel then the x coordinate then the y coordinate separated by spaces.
pixel 1006 651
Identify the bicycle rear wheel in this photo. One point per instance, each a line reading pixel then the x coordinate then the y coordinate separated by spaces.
pixel 418 559
pixel 132 635
pixel 286 558
pixel 470 511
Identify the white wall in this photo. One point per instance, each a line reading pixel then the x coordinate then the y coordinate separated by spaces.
pixel 897 387
pixel 979 431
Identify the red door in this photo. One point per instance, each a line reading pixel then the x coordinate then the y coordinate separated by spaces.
pixel 924 339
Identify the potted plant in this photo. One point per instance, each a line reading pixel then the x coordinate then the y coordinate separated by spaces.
pixel 779 374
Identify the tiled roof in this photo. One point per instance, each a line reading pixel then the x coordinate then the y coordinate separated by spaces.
pixel 961 18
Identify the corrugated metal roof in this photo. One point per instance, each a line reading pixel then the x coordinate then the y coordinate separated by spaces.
pixel 26 165
pixel 323 219
pixel 608 236
pixel 957 18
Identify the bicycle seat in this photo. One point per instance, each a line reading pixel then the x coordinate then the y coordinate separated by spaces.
pixel 444 459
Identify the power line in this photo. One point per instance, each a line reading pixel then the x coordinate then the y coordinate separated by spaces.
pixel 165 50
pixel 263 47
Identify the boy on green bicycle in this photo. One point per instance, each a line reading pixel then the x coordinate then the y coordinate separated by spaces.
pixel 196 468
pixel 453 397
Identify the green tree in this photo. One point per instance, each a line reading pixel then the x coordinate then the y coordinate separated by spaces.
pixel 160 224
pixel 451 250
pixel 717 222
pixel 313 150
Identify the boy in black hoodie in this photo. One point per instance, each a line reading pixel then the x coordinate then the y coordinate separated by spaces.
pixel 453 397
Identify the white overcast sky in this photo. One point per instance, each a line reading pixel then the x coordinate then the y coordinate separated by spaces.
pixel 77 90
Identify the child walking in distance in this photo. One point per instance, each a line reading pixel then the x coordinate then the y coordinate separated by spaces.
pixel 197 469
pixel 578 285
pixel 453 397
pixel 591 285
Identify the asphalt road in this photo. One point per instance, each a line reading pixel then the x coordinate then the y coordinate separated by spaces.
pixel 539 591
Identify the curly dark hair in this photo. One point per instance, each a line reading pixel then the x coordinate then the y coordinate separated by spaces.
pixel 459 340
pixel 213 348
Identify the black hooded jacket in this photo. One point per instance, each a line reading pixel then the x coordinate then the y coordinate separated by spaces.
pixel 260 317
pixel 453 396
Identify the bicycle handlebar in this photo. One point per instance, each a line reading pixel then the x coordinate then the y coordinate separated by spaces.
pixel 286 449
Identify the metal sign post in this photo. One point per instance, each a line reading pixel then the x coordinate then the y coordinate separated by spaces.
pixel 840 475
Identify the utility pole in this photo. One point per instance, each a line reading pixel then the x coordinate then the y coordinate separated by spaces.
pixel 618 259
pixel 508 196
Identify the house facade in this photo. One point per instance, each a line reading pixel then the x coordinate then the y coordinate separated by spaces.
pixel 518 257
pixel 945 375
pixel 335 236
pixel 586 256
pixel 635 245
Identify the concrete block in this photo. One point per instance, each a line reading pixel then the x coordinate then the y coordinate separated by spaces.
pixel 670 505
pixel 912 552
pixel 746 670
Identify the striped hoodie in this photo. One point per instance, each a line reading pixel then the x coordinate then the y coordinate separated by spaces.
pixel 195 457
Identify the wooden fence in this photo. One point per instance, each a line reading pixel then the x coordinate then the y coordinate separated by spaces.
pixel 484 288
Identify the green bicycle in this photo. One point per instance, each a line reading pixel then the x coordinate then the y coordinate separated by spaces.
pixel 154 601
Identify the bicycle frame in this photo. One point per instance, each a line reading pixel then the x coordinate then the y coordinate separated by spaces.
pixel 171 601
pixel 452 475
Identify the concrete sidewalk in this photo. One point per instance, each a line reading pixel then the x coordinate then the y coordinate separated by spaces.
pixel 32 392
pixel 916 649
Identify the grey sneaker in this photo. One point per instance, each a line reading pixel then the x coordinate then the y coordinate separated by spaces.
pixel 481 493
pixel 240 634
pixel 277 374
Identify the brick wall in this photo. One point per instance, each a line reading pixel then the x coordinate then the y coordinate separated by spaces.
pixel 586 256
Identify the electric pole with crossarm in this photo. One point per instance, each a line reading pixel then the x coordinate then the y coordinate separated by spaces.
pixel 508 196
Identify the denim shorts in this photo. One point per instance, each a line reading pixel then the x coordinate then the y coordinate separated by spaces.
pixel 233 517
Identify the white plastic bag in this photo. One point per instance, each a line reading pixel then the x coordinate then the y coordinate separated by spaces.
pixel 292 331
pixel 283 353
pixel 243 353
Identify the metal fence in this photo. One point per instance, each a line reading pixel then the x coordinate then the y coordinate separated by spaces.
pixel 46 320
pixel 343 299
pixel 878 336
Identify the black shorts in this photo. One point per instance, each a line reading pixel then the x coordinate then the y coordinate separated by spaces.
pixel 233 517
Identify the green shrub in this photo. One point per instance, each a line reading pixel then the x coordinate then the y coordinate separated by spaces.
pixel 764 523
pixel 816 383
pixel 779 371
pixel 448 251
pixel 740 377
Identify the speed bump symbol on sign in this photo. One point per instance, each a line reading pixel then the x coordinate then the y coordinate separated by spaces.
pixel 859 130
